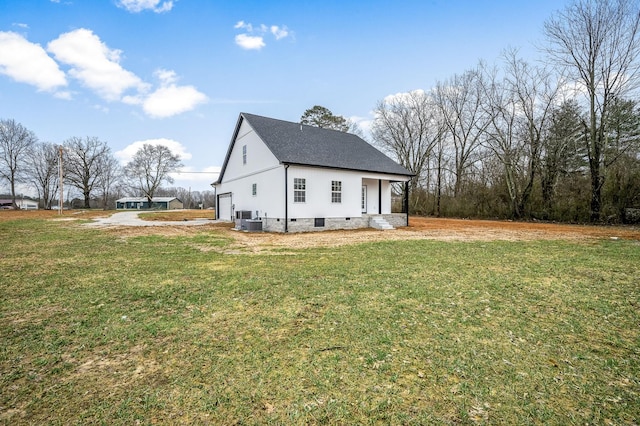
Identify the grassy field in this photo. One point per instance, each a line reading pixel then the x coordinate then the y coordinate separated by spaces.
pixel 97 327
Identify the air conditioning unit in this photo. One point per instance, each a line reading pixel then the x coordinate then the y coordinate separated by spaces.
pixel 244 221
pixel 254 225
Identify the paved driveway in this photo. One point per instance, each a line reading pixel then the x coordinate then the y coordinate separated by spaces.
pixel 132 219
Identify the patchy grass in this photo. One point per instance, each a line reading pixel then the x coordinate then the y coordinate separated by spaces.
pixel 178 215
pixel 158 329
pixel 9 215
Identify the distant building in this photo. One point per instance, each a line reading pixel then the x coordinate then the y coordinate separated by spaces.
pixel 141 203
pixel 23 204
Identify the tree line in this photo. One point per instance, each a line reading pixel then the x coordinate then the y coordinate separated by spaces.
pixel 87 167
pixel 559 141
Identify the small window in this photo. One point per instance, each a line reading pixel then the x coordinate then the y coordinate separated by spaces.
pixel 244 154
pixel 319 222
pixel 254 189
pixel 299 190
pixel 336 191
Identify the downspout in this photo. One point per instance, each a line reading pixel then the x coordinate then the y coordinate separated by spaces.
pixel 379 196
pixel 406 200
pixel 217 213
pixel 286 198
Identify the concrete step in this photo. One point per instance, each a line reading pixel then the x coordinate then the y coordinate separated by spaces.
pixel 378 222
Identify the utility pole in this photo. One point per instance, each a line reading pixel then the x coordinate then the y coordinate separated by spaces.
pixel 61 203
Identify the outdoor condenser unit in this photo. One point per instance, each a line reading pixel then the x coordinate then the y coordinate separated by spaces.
pixel 245 223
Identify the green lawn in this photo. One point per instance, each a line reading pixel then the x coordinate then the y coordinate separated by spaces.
pixel 97 328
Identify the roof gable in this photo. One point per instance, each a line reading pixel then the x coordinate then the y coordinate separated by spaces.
pixel 295 143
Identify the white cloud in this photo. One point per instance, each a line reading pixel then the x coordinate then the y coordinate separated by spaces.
pixel 66 95
pixel 279 32
pixel 189 176
pixel 101 108
pixel 250 42
pixel 244 26
pixel 29 63
pixel 125 155
pixel 403 96
pixel 97 67
pixel 95 64
pixel 253 38
pixel 364 123
pixel 135 6
pixel 166 76
pixel 170 99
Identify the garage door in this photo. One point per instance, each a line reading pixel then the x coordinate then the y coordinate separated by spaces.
pixel 225 207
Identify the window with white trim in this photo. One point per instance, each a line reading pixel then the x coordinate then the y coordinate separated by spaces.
pixel 336 191
pixel 244 154
pixel 254 189
pixel 299 190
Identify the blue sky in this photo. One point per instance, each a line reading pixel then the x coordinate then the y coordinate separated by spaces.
pixel 180 72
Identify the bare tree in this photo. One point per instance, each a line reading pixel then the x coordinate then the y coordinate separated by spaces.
pixel 501 136
pixel 84 161
pixel 150 167
pixel 43 171
pixel 597 42
pixel 208 199
pixel 408 126
pixel 536 92
pixel 518 107
pixel 460 102
pixel 111 174
pixel 15 143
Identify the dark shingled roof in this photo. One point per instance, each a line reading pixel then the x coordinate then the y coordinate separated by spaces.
pixel 293 143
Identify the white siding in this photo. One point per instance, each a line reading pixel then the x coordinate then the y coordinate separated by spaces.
pixel 318 193
pixel 269 199
pixel 372 195
pixel 386 197
pixel 261 168
pixel 259 157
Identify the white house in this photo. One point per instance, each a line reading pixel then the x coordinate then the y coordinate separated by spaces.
pixel 291 177
pixel 22 203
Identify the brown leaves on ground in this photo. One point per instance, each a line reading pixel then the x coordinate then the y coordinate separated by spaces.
pixel 6 215
pixel 419 228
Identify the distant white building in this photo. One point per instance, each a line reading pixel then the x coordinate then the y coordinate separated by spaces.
pixel 22 203
pixel 292 177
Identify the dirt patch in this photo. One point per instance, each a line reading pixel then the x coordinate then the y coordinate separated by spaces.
pixel 177 215
pixel 509 230
pixel 420 228
pixel 6 215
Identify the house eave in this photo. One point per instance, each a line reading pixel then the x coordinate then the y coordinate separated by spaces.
pixel 320 166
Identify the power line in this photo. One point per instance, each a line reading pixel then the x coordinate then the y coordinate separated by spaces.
pixel 206 173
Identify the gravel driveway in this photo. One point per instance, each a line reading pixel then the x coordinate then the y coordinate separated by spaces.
pixel 132 219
